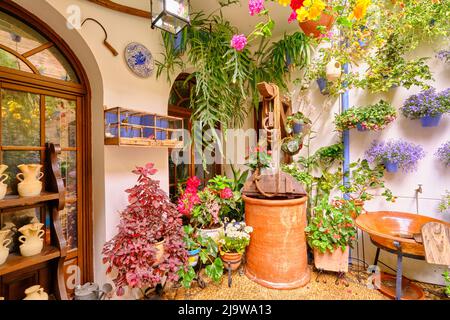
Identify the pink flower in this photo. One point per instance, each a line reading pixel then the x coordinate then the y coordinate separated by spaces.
pixel 293 16
pixel 226 193
pixel 255 6
pixel 238 42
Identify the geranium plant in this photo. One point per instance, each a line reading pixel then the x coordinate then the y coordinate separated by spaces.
pixel 427 103
pixel 373 117
pixel 443 153
pixel 236 237
pixel 330 228
pixel 148 219
pixel 401 153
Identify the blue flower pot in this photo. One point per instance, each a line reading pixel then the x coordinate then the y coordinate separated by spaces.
pixel 193 257
pixel 429 121
pixel 297 128
pixel 322 82
pixel 361 128
pixel 391 167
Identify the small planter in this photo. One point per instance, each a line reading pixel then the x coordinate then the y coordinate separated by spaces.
pixel 232 260
pixel 391 167
pixel 336 261
pixel 430 121
pixel 322 83
pixel 214 234
pixel 310 27
pixel 193 257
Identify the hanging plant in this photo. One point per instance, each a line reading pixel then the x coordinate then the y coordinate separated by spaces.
pixel 296 123
pixel 428 106
pixel 395 154
pixel 443 153
pixel 373 117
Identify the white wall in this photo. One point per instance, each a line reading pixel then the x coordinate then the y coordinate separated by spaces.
pixel 434 177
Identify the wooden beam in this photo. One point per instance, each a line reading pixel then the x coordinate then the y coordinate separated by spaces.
pixel 122 8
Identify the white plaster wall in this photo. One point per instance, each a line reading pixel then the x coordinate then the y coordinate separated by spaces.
pixel 433 176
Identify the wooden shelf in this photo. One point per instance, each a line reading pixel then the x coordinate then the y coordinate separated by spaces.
pixel 16 262
pixel 17 201
pixel 142 142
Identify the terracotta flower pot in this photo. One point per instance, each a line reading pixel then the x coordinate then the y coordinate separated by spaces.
pixel 234 260
pixel 276 257
pixel 336 261
pixel 310 27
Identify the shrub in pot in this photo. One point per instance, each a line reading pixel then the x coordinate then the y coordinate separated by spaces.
pixel 233 243
pixel 149 245
pixel 428 106
pixel 330 233
pixel 296 123
pixel 373 117
pixel 395 154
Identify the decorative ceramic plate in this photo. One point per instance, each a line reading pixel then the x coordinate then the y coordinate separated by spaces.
pixel 139 59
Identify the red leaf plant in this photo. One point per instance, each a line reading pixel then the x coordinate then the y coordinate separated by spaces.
pixel 148 219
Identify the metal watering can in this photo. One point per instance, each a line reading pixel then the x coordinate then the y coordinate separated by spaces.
pixel 91 291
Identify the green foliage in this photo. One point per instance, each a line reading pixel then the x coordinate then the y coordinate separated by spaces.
pixel 330 228
pixel 372 117
pixel 446 275
pixel 236 237
pixel 444 204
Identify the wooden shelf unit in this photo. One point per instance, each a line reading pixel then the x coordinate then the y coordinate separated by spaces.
pixel 19 267
pixel 126 127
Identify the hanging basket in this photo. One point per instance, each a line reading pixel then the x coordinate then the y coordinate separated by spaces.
pixel 310 27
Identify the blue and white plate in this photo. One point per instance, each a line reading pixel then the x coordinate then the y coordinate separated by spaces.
pixel 139 59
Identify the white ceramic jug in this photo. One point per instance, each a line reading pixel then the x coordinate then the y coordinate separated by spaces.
pixel 29 185
pixel 4 243
pixel 3 178
pixel 32 239
pixel 36 293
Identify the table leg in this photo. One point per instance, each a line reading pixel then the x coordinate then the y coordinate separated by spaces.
pixel 398 284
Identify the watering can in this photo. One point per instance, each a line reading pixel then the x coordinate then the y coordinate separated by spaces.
pixel 91 291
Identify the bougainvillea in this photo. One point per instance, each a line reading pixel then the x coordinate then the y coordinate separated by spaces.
pixel 443 153
pixel 189 198
pixel 405 154
pixel 148 219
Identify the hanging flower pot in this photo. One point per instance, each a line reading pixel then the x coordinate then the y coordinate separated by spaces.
pixel 310 27
pixel 333 70
pixel 430 121
pixel 391 167
pixel 322 83
pixel 193 257
pixel 297 128
pixel 361 128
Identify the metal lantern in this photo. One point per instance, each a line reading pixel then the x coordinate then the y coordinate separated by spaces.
pixel 170 15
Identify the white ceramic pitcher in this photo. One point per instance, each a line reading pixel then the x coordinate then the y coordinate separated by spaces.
pixel 32 239
pixel 29 185
pixel 3 178
pixel 4 243
pixel 35 293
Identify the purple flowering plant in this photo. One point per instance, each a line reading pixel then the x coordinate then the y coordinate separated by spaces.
pixel 405 154
pixel 443 153
pixel 443 55
pixel 426 103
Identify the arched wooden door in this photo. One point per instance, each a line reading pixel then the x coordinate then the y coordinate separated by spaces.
pixel 44 97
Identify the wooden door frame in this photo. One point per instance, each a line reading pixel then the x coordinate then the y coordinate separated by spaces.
pixel 83 91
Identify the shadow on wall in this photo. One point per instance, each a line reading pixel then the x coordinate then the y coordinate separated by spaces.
pixel 47 13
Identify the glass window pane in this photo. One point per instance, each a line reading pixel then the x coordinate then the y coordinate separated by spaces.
pixel 68 164
pixel 14 158
pixel 10 61
pixel 69 225
pixel 20 118
pixel 17 35
pixel 52 64
pixel 60 122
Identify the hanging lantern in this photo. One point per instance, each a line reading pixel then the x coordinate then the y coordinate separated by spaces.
pixel 170 15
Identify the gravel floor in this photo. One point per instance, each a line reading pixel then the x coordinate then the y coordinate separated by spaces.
pixel 325 289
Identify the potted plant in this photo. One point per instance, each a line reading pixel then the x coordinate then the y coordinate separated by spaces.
pixel 395 154
pixel 203 249
pixel 260 159
pixel 296 122
pixel 233 243
pixel 444 204
pixel 428 106
pixel 330 233
pixel 443 153
pixel 373 117
pixel 149 245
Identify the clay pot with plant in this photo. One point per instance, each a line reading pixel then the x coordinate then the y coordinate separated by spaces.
pixel 148 250
pixel 233 244
pixel 330 233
